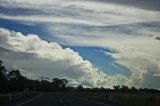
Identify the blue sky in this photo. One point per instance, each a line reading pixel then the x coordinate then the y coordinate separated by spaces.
pixel 105 62
pixel 38 29
pixel 114 38
pixel 93 54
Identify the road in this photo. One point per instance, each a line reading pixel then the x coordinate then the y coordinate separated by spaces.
pixel 53 99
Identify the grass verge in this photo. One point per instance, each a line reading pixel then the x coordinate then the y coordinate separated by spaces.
pixel 123 99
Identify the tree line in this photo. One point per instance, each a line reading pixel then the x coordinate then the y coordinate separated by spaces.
pixel 13 81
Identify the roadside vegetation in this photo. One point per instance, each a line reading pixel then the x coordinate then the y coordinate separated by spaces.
pixel 122 99
pixel 9 97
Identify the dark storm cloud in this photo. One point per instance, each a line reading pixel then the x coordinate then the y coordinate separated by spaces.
pixel 145 4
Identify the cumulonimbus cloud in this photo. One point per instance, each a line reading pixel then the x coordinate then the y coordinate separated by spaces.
pixel 36 58
pixel 140 54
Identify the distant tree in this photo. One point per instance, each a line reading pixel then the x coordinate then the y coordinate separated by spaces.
pixel 133 89
pixel 101 89
pixel 64 84
pixel 80 88
pixel 45 85
pixel 16 81
pixel 124 88
pixel 55 83
pixel 116 88
pixel 70 88
pixel 59 84
pixel 33 85
pixel 3 78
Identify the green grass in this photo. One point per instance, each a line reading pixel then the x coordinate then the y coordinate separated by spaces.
pixel 123 99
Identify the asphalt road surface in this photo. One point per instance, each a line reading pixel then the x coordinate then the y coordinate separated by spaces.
pixel 53 99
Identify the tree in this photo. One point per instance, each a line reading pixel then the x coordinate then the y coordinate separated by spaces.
pixel 3 78
pixel 64 84
pixel 46 85
pixel 16 81
pixel 80 88
pixel 116 88
pixel 59 84
pixel 133 89
pixel 124 88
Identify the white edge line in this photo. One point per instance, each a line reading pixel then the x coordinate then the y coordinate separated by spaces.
pixel 29 100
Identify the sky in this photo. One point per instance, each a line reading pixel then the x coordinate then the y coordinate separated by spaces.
pixel 95 43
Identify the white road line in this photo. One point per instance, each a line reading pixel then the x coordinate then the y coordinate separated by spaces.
pixel 29 100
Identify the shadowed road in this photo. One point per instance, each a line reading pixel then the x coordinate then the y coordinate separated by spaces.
pixel 53 99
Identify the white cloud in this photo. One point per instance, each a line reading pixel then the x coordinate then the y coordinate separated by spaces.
pixel 156 75
pixel 80 12
pixel 139 54
pixel 35 55
pixel 50 19
pixel 39 58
